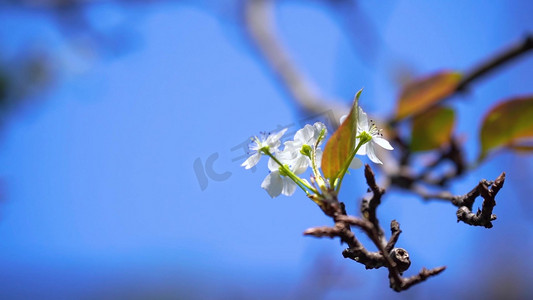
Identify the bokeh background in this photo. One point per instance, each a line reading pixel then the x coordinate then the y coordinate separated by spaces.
pixel 123 125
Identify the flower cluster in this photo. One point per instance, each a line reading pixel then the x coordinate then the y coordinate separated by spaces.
pixel 305 151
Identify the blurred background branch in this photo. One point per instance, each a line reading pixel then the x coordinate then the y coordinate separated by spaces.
pixel 260 24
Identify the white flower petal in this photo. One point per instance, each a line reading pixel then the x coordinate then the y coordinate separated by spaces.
pixel 286 156
pixel 382 142
pixel 273 184
pixel 254 146
pixel 356 163
pixel 362 150
pixel 318 157
pixel 251 161
pixel 288 186
pixel 305 135
pixel 290 153
pixel 362 121
pixel 372 154
pixel 274 147
pixel 300 164
pixel 292 145
pixel 275 137
pixel 273 166
pixel 319 126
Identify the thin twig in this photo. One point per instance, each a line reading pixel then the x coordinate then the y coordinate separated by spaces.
pixel 395 234
pixel 486 189
pixel 369 206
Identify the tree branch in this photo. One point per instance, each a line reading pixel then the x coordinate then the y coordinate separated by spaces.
pixel 395 234
pixel 421 276
pixel 495 62
pixel 486 189
pixel 396 260
pixel 369 206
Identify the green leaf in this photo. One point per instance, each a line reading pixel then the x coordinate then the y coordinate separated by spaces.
pixel 507 124
pixel 432 129
pixel 423 93
pixel 341 144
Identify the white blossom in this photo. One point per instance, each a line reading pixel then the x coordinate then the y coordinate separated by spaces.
pixel 275 183
pixel 268 142
pixel 294 151
pixel 366 127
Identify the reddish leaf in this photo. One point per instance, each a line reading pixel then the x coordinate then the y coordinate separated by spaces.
pixel 423 93
pixel 341 143
pixel 432 129
pixel 507 125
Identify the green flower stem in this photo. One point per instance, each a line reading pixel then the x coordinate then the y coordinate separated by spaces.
pixel 321 181
pixel 291 174
pixel 363 140
pixel 318 176
pixel 314 166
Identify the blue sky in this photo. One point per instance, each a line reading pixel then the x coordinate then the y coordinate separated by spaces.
pixel 102 197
